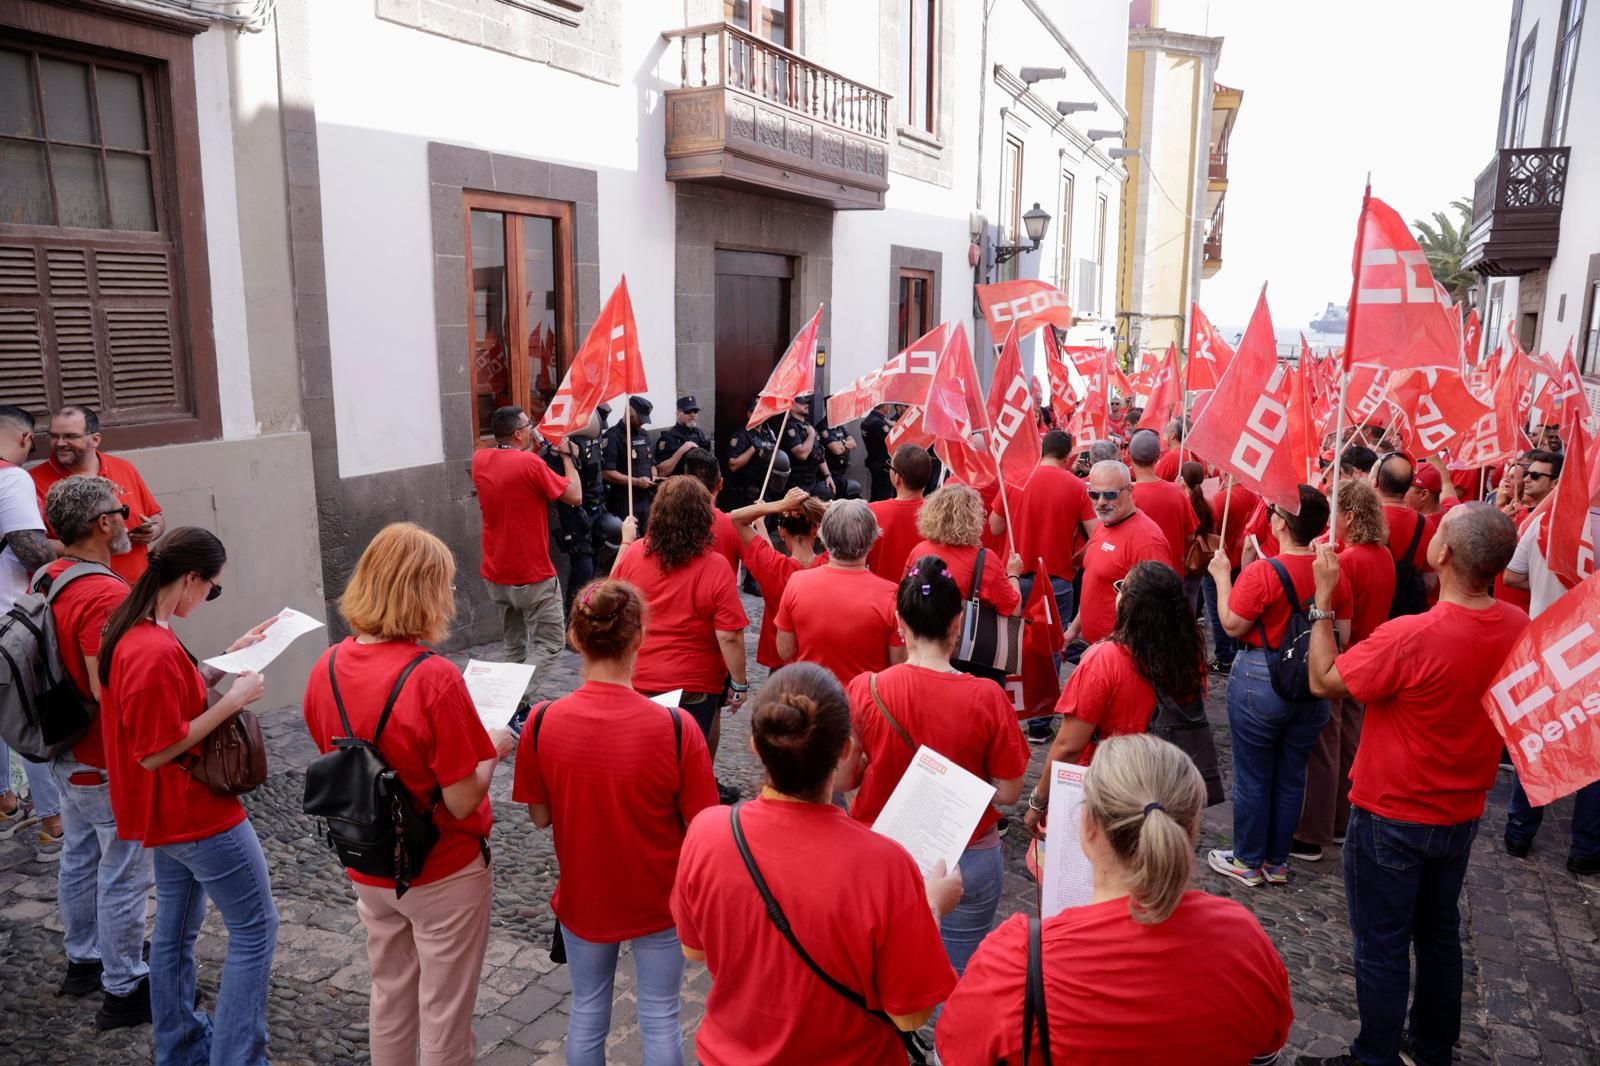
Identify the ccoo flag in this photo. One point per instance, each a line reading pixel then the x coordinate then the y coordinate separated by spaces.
pixel 791 377
pixel 1399 318
pixel 606 366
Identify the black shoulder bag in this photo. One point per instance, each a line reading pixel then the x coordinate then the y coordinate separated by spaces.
pixel 1184 726
pixel 1410 592
pixel 1289 665
pixel 914 1050
pixel 1034 1011
pixel 989 640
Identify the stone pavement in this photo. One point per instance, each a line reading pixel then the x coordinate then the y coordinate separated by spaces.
pixel 1532 935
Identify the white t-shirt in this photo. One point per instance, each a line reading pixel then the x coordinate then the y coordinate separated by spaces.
pixel 19 509
pixel 1544 588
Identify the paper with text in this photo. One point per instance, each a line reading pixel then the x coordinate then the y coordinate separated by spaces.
pixel 1068 877
pixel 290 625
pixel 934 809
pixel 496 689
pixel 669 699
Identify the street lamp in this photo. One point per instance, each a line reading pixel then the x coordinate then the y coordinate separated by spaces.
pixel 1122 153
pixel 1034 222
pixel 1100 135
pixel 1029 75
pixel 1067 107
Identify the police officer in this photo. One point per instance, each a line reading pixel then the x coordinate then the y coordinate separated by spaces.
pixel 584 530
pixel 675 441
pixel 614 462
pixel 837 445
pixel 746 459
pixel 875 432
pixel 805 448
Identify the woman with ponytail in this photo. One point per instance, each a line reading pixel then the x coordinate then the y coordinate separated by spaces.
pixel 153 712
pixel 968 720
pixel 854 900
pixel 618 810
pixel 1148 970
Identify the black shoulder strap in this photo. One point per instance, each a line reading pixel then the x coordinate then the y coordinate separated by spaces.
pixel 388 707
pixel 1289 594
pixel 1416 539
pixel 977 575
pixel 1034 1012
pixel 538 721
pixel 677 732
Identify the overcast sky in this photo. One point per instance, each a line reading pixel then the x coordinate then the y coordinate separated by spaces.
pixel 1408 89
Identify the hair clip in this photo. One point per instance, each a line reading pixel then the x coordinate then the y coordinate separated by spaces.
pixel 927 590
pixel 1152 806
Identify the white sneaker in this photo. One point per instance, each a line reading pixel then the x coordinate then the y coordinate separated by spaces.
pixel 17 819
pixel 48 848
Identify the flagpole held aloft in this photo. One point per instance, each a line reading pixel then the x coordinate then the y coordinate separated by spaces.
pixel 774 458
pixel 627 430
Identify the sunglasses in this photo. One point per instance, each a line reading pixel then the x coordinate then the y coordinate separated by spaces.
pixel 123 511
pixel 214 592
pixel 1107 494
pixel 1536 475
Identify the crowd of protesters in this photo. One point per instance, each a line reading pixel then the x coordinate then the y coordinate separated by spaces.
pixel 824 940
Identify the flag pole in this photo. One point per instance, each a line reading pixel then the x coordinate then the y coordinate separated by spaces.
pixel 762 495
pixel 988 446
pixel 1227 502
pixel 627 429
pixel 1344 378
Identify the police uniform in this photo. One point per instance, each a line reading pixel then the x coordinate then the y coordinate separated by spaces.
pixel 845 487
pixel 583 530
pixel 614 456
pixel 804 471
pixel 875 434
pixel 675 436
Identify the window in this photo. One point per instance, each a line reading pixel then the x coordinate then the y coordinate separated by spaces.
pixel 1492 316
pixel 1591 332
pixel 919 50
pixel 1519 107
pixel 1101 207
pixel 771 20
pixel 96 150
pixel 913 306
pixel 1010 220
pixel 1064 263
pixel 519 263
pixel 1566 66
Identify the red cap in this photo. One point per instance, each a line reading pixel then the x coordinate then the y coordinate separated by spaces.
pixel 1427 477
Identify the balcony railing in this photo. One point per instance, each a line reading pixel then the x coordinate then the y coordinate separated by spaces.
pixel 1516 211
pixel 751 113
pixel 1219 166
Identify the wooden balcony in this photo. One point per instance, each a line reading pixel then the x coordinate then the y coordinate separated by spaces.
pixel 1516 212
pixel 1211 250
pixel 1218 167
pixel 753 116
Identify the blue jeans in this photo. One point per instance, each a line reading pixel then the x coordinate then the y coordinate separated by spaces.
pixel 104 887
pixel 1402 884
pixel 963 929
pixel 658 979
pixel 1061 591
pixel 1523 820
pixel 1272 742
pixel 42 790
pixel 230 868
pixel 1223 647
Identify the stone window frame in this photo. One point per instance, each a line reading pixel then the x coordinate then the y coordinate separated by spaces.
pixel 915 152
pixel 581 37
pixel 905 257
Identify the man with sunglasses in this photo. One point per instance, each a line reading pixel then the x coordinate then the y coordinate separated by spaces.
pixel 1125 536
pixel 75 449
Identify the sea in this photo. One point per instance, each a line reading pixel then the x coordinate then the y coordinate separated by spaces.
pixel 1288 340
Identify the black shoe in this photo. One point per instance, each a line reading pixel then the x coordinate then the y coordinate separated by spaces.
pixel 1299 849
pixel 1003 826
pixel 1217 666
pixel 121 1012
pixel 727 795
pixel 1518 849
pixel 82 978
pixel 1584 867
pixel 1040 734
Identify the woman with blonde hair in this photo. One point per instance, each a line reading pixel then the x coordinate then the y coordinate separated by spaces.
pixel 1149 970
pixel 952 523
pixel 426 938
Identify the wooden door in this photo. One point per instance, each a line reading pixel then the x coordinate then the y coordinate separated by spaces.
pixel 752 316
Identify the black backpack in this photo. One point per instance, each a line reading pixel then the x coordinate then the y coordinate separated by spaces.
pixel 1184 726
pixel 371 822
pixel 1288 665
pixel 1410 594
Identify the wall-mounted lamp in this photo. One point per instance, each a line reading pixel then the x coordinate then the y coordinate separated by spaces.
pixel 1122 153
pixel 1034 222
pixel 1029 75
pixel 1067 107
pixel 1100 135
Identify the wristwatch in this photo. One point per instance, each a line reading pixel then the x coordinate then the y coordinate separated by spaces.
pixel 1318 615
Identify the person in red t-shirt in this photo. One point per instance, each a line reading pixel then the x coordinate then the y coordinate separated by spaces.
pixel 700 463
pixel 1169 466
pixel 1053 521
pixel 1272 737
pixel 631 796
pixel 1164 503
pixel 154 711
pixel 425 947
pixel 696 637
pixel 1124 537
pixel 1147 971
pixel 854 900
pixel 841 616
pixel 897 518
pixel 926 701
pixel 75 449
pixel 103 929
pixel 798 514
pixel 515 487
pixel 1230 513
pixel 1393 477
pixel 1365 560
pixel 1427 761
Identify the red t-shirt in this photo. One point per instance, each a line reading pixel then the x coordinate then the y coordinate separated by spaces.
pixel 1107 691
pixel 772 570
pixel 1169 465
pixel 844 620
pixel 514 492
pixel 131 490
pixel 997 590
pixel 1428 751
pixel 897 532
pixel 968 720
pixel 1047 512
pixel 1111 553
pixel 1370 571
pixel 687 609
pixel 154 693
pixel 434 738
pixel 1238 514
pixel 80 611
pixel 725 539
pixel 619 809
pixel 857 904
pixel 1170 508
pixel 1203 988
pixel 1516 597
pixel 1259 594
pixel 1402 527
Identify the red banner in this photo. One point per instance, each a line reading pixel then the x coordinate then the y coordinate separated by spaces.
pixel 903 379
pixel 1209 355
pixel 608 365
pixel 1497 436
pixel 1471 337
pixel 1399 317
pixel 1546 698
pixel 1012 439
pixel 1166 393
pixel 1566 536
pixel 791 377
pixel 1439 409
pixel 1062 401
pixel 1023 305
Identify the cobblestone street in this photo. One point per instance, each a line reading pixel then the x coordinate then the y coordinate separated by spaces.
pixel 1532 932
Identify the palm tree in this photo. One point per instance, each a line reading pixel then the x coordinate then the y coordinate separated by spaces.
pixel 1445 245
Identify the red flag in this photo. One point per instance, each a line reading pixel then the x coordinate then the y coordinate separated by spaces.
pixel 1569 385
pixel 1011 441
pixel 1497 436
pixel 1025 305
pixel 606 366
pixel 1566 536
pixel 1166 393
pixel 1244 429
pixel 1471 336
pixel 1042 641
pixel 1209 355
pixel 1303 437
pixel 791 377
pixel 1367 395
pixel 908 429
pixel 1439 409
pixel 954 411
pixel 903 379
pixel 1397 317
pixel 1055 364
pixel 1546 697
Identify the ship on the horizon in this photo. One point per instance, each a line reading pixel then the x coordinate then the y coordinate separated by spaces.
pixel 1331 321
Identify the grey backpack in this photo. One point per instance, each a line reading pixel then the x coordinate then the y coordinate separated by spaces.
pixel 41 712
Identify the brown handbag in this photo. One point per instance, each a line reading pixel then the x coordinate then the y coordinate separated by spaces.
pixel 232 758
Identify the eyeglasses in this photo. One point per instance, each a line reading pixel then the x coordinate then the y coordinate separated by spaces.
pixel 1107 494
pixel 216 589
pixel 1535 475
pixel 123 511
